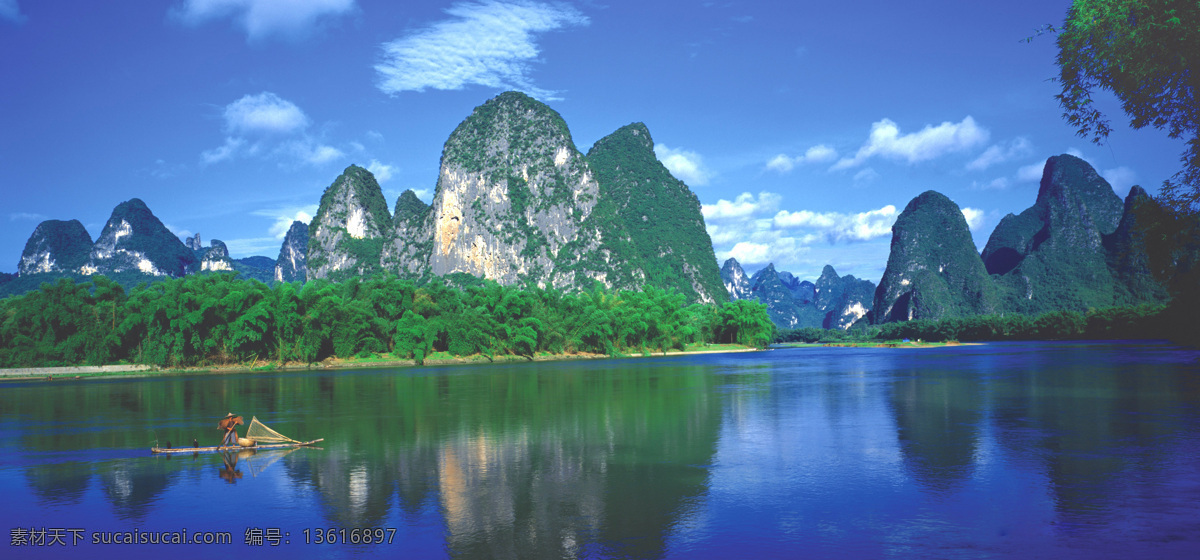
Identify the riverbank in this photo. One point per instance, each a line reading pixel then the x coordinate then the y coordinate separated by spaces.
pixel 880 344
pixel 375 361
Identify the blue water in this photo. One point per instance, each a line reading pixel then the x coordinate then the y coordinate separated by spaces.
pixel 1011 450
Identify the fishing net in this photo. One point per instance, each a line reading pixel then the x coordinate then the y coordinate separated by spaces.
pixel 260 433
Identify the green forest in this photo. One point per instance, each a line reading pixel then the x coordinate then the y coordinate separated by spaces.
pixel 217 319
pixel 1146 321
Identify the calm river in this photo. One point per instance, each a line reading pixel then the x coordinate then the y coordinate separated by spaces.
pixel 1012 450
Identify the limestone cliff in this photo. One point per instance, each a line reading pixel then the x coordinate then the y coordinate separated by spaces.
pixel 933 271
pixel 659 212
pixel 408 248
pixel 737 284
pixel 55 246
pixel 291 265
pixel 1052 255
pixel 513 203
pixel 215 258
pixel 842 300
pixel 135 240
pixel 1127 256
pixel 347 234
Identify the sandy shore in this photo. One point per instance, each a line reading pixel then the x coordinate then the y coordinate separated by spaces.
pixel 140 370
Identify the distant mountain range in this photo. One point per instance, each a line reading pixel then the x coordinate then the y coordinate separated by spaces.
pixel 518 203
pixel 515 202
pixel 834 302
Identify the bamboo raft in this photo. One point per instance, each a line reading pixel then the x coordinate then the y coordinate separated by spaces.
pixel 223 448
pixel 256 432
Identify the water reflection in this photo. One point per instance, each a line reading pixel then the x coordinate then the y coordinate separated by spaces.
pixel 1090 425
pixel 938 415
pixel 823 451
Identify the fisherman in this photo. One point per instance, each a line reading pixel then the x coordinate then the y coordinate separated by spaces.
pixel 229 426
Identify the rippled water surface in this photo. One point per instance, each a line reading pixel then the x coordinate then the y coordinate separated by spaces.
pixel 1015 450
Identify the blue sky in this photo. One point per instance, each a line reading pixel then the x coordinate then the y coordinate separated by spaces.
pixel 803 127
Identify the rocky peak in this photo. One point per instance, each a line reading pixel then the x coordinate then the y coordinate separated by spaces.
pixel 215 257
pixel 933 271
pixel 134 239
pixel 409 208
pixel 802 290
pixel 735 279
pixel 828 288
pixel 291 265
pixel 1079 205
pixel 194 243
pixel 1127 255
pixel 407 250
pixel 658 212
pixel 55 246
pixel 346 235
pixel 512 193
pixel 1053 255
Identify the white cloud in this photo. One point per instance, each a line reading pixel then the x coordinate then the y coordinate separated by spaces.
pixel 999 153
pixel 283 218
pixel 262 18
pixel 931 142
pixel 1121 179
pixel 179 232
pixel 780 163
pixel 278 128
pixel 27 216
pixel 744 206
pixel 868 175
pixel 816 154
pixel 488 43
pixel 1031 173
pixel 974 216
pixel 684 165
pixel 226 151
pixel 754 230
pixel 317 154
pixel 264 113
pixel 10 11
pixel 751 253
pixel 835 226
pixel 997 184
pixel 381 171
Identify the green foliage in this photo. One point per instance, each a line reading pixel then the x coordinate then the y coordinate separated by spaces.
pixel 67 241
pixel 1143 51
pixel 933 270
pixel 659 213
pixel 215 319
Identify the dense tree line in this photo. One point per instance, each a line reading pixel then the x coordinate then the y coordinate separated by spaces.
pixel 1145 321
pixel 207 319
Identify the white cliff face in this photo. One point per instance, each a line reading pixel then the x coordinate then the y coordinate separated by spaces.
pixel 736 282
pixel 215 265
pixel 852 313
pixel 356 225
pixel 292 262
pixel 478 230
pixel 38 263
pixel 111 253
pixel 352 208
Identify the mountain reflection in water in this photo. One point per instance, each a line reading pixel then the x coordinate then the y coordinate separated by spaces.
pixel 1007 450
